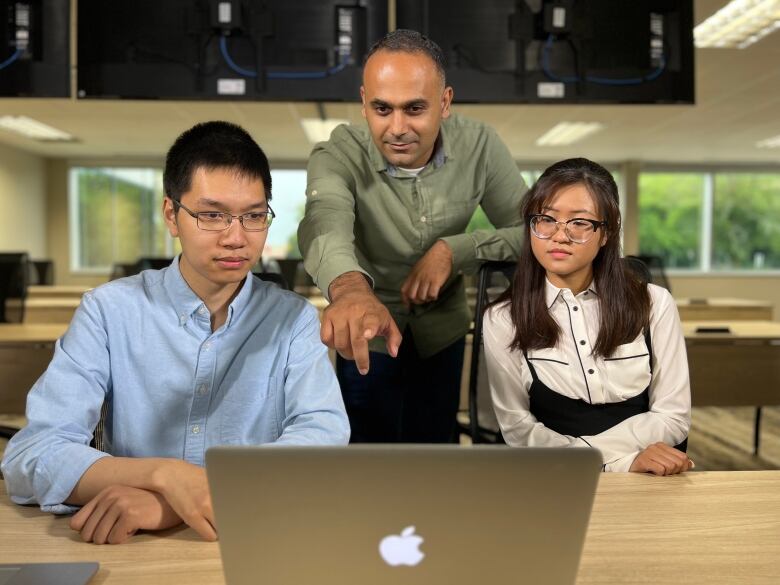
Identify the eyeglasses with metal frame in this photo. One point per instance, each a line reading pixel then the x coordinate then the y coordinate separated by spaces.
pixel 217 221
pixel 578 229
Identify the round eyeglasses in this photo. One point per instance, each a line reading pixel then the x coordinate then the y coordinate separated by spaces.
pixel 217 221
pixel 578 229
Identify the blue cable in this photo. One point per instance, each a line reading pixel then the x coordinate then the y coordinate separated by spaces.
pixel 230 63
pixel 12 58
pixel 597 80
pixel 276 74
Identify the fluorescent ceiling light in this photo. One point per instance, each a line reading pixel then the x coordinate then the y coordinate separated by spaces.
pixel 318 130
pixel 568 133
pixel 33 129
pixel 738 24
pixel 773 142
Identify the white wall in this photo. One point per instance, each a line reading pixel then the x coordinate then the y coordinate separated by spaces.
pixel 22 202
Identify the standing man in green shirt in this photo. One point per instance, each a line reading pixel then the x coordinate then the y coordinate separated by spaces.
pixel 383 237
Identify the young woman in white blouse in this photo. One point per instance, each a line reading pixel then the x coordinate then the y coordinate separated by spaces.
pixel 580 350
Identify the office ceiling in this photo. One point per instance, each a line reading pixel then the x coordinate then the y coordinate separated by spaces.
pixel 738 104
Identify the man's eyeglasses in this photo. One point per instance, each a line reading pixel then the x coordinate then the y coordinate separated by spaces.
pixel 217 221
pixel 578 229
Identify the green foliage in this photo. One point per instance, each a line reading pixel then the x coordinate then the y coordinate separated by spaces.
pixel 670 217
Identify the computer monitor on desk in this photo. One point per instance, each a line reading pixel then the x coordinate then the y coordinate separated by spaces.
pixel 13 285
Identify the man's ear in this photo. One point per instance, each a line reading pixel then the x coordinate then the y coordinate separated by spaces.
pixel 363 100
pixel 169 215
pixel 446 101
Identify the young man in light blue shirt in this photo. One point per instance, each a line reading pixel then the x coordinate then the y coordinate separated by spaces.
pixel 198 354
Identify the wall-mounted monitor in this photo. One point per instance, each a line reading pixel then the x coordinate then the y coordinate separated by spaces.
pixel 35 48
pixel 236 49
pixel 561 51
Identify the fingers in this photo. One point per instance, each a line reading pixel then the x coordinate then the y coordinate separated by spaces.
pixel 203 526
pixel 393 338
pixel 80 518
pixel 359 348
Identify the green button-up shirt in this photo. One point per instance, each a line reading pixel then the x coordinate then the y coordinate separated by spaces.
pixel 365 215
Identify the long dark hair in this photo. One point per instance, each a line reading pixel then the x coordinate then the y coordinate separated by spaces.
pixel 625 302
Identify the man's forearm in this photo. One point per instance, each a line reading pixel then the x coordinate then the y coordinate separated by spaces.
pixel 142 472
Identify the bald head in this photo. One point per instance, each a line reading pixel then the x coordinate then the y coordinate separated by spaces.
pixel 410 41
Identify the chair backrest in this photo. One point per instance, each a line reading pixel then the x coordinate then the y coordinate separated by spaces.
pixel 495 277
pixel 154 263
pixel 14 274
pixel 273 277
pixel 655 266
pixel 41 272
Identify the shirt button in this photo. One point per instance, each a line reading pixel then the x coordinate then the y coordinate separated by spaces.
pixel 591 371
pixel 202 389
pixel 202 311
pixel 575 308
pixel 314 192
pixel 423 219
pixel 206 346
pixel 582 342
pixel 195 430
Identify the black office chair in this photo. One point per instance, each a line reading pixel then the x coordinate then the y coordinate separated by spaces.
pixel 152 262
pixel 273 277
pixel 14 273
pixel 655 266
pixel 41 272
pixel 492 279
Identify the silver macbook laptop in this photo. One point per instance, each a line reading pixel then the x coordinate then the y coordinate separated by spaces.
pixel 401 514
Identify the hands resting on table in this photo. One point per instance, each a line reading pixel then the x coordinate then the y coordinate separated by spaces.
pixel 122 496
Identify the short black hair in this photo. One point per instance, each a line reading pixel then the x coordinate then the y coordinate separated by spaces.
pixel 214 145
pixel 410 41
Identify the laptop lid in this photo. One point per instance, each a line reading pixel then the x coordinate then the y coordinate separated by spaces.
pixel 47 573
pixel 401 514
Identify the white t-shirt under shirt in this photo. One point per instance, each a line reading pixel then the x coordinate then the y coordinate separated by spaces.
pixel 566 369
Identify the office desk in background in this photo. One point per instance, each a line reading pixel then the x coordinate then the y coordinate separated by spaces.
pixel 707 528
pixel 724 309
pixel 56 291
pixel 738 368
pixel 25 352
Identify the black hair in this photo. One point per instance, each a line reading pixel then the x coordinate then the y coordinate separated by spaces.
pixel 410 41
pixel 214 145
pixel 625 301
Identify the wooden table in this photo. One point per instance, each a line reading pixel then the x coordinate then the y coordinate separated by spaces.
pixel 25 352
pixel 705 528
pixel 724 309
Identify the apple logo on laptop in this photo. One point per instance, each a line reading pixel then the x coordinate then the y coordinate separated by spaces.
pixel 402 549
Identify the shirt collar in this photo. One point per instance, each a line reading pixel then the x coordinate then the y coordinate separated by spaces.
pixel 379 163
pixel 552 292
pixel 187 303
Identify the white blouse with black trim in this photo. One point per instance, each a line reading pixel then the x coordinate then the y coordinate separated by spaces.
pixel 570 369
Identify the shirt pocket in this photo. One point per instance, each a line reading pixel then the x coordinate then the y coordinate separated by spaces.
pixel 247 412
pixel 627 370
pixel 457 215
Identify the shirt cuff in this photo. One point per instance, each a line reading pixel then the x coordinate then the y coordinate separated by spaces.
pixel 58 473
pixel 331 269
pixel 623 464
pixel 464 253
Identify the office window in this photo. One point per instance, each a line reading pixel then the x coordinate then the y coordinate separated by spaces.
pixel 116 217
pixel 711 221
pixel 288 201
pixel 746 221
pixel 670 217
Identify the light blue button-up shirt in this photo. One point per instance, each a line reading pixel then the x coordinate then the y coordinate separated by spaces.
pixel 173 388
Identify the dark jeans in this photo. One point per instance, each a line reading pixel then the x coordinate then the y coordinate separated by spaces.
pixel 404 399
